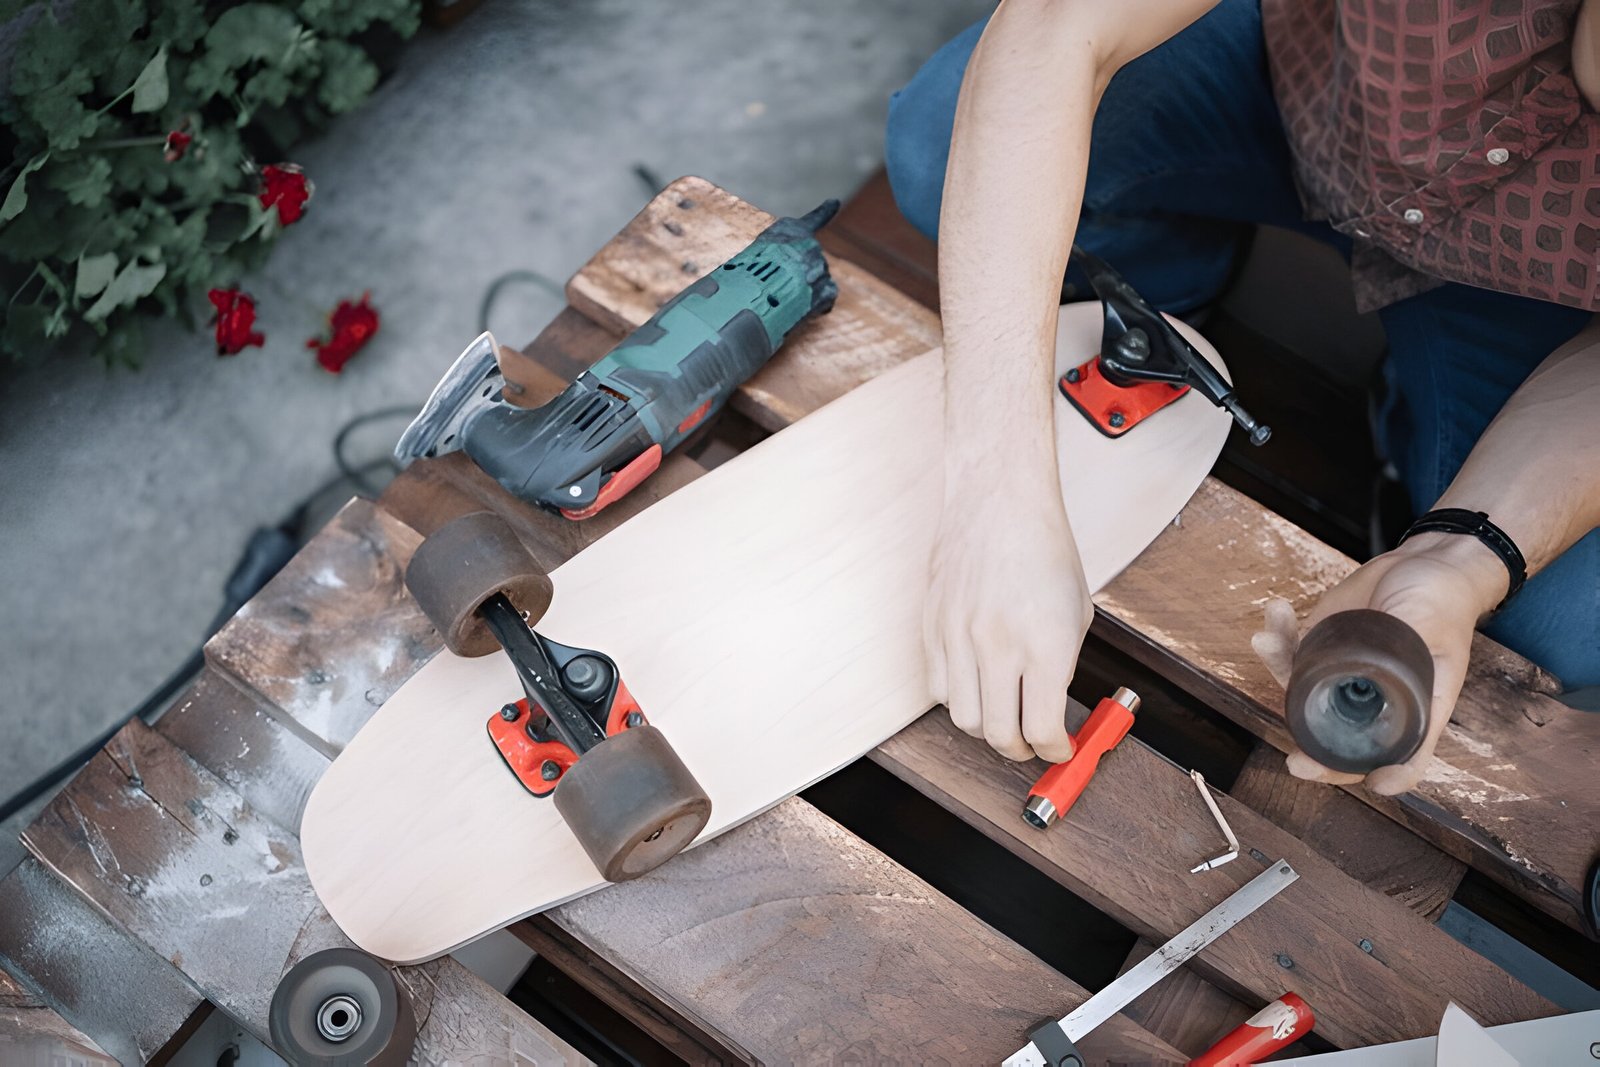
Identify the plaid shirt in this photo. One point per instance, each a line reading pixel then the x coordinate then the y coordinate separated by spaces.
pixel 1447 138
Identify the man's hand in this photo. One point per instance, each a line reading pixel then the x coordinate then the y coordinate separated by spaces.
pixel 1006 614
pixel 1438 584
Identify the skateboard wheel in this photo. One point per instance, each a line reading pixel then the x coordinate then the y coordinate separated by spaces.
pixel 341 1007
pixel 464 563
pixel 1359 693
pixel 631 803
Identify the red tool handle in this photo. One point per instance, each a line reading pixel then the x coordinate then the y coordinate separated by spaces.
pixel 1276 1026
pixel 1060 787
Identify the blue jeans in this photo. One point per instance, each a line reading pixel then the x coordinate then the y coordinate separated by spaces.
pixel 1188 153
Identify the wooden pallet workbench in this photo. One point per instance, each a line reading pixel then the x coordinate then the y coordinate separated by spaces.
pixel 792 938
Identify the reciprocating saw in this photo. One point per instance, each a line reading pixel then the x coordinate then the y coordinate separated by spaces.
pixel 610 428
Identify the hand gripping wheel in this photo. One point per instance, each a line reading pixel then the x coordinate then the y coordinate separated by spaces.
pixel 1359 692
pixel 577 735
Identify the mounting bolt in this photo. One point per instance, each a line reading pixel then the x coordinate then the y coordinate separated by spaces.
pixel 1365 944
pixel 573 490
pixel 635 718
pixel 1285 961
pixel 229 836
pixel 1134 346
pixel 1117 419
pixel 1073 375
pixel 550 770
pixel 509 713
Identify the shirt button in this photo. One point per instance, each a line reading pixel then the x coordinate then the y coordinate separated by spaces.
pixel 1498 156
pixel 1413 215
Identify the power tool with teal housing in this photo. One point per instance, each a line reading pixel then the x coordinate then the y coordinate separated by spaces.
pixel 609 429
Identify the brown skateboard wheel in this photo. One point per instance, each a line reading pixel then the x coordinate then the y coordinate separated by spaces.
pixel 1359 693
pixel 341 1007
pixel 464 563
pixel 631 803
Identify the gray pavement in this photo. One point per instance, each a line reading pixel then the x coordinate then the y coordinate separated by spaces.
pixel 507 142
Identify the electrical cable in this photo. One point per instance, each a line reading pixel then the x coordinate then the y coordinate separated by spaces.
pixel 269 548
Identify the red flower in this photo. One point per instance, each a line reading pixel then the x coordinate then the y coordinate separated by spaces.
pixel 177 144
pixel 353 326
pixel 236 319
pixel 285 187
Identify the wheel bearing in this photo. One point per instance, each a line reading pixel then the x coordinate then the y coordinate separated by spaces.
pixel 341 1007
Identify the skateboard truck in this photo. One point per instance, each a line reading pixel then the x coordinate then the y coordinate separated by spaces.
pixel 573 699
pixel 577 734
pixel 1144 363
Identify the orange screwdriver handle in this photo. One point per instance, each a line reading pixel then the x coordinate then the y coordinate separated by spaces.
pixel 1058 788
pixel 1276 1026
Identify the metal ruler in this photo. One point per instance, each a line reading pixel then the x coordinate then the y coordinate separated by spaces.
pixel 1052 1045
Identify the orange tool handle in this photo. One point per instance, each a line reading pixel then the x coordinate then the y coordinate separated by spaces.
pixel 1276 1026
pixel 1060 787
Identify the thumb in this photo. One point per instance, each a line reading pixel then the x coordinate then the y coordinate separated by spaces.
pixel 1278 639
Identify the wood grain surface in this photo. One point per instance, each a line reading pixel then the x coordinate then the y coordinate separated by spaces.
pixel 1127 848
pixel 1510 789
pixel 793 886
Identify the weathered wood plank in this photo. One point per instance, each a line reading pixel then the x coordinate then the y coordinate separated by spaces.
pixel 814 946
pixel 103 981
pixel 188 867
pixel 234 734
pixel 30 1032
pixel 1509 791
pixel 1359 841
pixel 281 644
pixel 684 1035
pixel 1127 847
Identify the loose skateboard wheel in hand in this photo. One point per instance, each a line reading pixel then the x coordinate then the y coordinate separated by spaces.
pixel 632 803
pixel 464 563
pixel 341 1007
pixel 1359 693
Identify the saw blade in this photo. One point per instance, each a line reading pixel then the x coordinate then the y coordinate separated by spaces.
pixel 473 382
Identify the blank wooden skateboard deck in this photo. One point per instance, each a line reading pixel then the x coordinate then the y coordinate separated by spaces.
pixel 767 617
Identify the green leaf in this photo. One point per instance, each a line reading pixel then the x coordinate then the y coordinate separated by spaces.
pixel 17 198
pixel 134 282
pixel 86 181
pixel 150 87
pixel 348 76
pixel 95 273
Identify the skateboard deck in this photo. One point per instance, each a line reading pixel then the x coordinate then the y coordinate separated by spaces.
pixel 767 617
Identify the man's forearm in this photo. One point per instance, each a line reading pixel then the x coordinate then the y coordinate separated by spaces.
pixel 1012 195
pixel 1536 469
pixel 1013 189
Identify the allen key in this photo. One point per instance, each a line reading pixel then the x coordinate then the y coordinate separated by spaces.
pixel 1227 831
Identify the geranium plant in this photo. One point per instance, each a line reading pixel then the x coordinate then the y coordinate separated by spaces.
pixel 148 143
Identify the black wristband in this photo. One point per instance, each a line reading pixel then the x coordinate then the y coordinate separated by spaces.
pixel 1476 524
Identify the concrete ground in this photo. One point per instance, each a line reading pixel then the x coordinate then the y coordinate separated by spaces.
pixel 507 142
